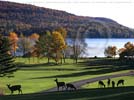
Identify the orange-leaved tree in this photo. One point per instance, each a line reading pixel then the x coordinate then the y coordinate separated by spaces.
pixel 127 52
pixel 13 37
pixel 34 36
pixel 110 51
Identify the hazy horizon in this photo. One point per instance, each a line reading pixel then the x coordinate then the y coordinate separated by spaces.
pixel 118 10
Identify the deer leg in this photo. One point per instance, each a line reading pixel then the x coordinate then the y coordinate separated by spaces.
pixel 58 88
pixel 66 88
pixel 21 91
pixel 62 88
pixel 122 83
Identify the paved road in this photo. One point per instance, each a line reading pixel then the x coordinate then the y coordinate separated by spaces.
pixel 78 84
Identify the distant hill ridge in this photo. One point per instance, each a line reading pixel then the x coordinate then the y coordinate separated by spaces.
pixel 28 19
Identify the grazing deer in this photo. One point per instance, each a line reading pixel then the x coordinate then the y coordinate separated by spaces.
pixel 59 84
pixel 71 86
pixel 120 82
pixel 100 83
pixel 108 82
pixel 14 88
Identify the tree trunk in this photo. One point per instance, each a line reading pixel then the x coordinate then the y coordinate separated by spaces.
pixel 61 60
pixel 48 60
pixel 64 57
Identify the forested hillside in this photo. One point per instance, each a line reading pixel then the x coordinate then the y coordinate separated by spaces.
pixel 28 19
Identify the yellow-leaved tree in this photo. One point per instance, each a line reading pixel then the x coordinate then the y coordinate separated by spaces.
pixel 58 45
pixel 64 35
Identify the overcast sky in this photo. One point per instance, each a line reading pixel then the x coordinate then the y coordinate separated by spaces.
pixel 118 10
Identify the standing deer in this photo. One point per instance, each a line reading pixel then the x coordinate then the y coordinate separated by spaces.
pixel 100 83
pixel 59 84
pixel 14 88
pixel 120 82
pixel 71 86
pixel 113 84
pixel 108 82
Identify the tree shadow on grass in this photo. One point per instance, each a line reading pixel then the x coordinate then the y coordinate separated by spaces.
pixel 121 93
pixel 90 71
pixel 23 65
pixel 94 67
pixel 98 72
pixel 48 69
pixel 113 62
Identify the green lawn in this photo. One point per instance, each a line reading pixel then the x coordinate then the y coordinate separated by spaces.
pixel 128 81
pixel 38 76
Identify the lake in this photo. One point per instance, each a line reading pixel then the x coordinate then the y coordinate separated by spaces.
pixel 96 47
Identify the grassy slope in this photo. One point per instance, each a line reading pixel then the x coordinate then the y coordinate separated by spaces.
pixel 37 77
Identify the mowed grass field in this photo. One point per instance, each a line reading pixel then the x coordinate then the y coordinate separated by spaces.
pixel 36 76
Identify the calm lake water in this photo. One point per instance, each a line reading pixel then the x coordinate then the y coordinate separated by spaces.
pixel 96 47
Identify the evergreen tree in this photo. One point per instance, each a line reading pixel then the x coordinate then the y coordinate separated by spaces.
pixel 7 65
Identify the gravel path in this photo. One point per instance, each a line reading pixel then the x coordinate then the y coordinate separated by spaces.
pixel 78 84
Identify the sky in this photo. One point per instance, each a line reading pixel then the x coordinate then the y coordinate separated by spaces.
pixel 118 10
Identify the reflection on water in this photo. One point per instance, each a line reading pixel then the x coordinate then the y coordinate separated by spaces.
pixel 96 47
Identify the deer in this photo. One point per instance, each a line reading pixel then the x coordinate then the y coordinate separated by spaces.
pixel 14 88
pixel 108 82
pixel 113 84
pixel 121 81
pixel 100 83
pixel 71 86
pixel 59 84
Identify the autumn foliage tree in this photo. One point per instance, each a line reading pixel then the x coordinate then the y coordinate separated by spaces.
pixel 13 37
pixel 63 32
pixel 43 45
pixel 127 51
pixel 34 36
pixel 51 45
pixel 58 45
pixel 110 51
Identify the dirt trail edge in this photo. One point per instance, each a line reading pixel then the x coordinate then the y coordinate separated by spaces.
pixel 78 84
